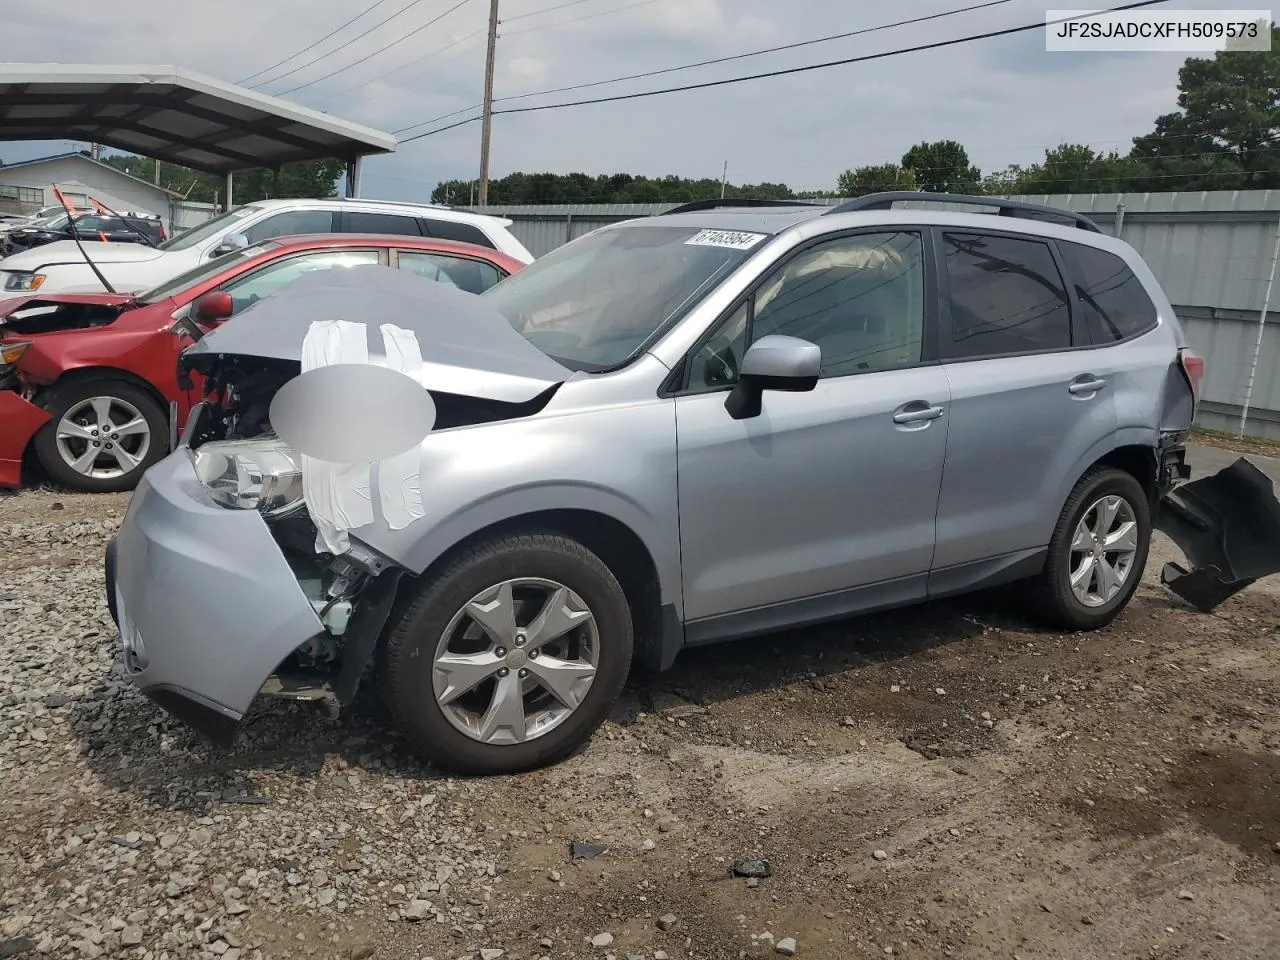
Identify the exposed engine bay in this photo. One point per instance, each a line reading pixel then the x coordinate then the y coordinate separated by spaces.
pixel 49 316
pixel 351 593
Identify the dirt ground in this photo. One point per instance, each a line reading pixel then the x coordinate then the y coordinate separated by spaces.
pixel 945 781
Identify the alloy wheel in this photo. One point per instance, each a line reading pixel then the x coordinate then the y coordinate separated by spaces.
pixel 1103 551
pixel 516 661
pixel 103 437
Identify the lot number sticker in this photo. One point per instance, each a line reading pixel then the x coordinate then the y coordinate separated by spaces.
pixel 733 239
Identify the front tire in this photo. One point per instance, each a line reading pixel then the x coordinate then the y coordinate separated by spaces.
pixel 510 657
pixel 1097 553
pixel 105 433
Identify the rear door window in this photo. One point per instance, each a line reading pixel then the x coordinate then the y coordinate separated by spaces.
pixel 473 276
pixel 1109 297
pixel 1006 296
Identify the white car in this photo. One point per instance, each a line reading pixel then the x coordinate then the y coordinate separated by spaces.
pixel 131 267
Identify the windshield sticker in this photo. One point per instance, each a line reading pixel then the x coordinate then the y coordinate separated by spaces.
pixel 733 239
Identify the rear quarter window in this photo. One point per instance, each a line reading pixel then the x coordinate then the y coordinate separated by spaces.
pixel 460 232
pixel 1108 295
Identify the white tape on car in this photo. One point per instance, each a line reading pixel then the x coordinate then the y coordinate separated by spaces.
pixel 337 495
pixel 354 418
pixel 400 477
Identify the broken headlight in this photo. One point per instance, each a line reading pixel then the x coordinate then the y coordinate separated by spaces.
pixel 262 475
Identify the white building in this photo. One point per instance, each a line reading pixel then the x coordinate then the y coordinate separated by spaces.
pixel 28 185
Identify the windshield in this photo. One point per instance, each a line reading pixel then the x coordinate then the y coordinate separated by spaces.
pixel 594 303
pixel 206 270
pixel 196 235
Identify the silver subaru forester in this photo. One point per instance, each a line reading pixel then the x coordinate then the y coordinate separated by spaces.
pixel 731 419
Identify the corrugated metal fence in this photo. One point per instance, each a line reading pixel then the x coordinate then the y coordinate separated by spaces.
pixel 1211 252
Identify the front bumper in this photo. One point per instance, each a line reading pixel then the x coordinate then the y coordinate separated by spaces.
pixel 206 605
pixel 19 421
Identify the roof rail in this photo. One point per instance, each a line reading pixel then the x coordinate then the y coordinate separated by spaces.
pixel 371 201
pixel 720 202
pixel 1005 208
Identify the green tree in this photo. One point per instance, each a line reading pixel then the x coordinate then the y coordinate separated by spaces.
pixel 1070 168
pixel 559 188
pixel 875 178
pixel 943 167
pixel 309 178
pixel 1224 134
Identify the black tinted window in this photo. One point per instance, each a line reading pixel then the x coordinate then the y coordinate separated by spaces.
pixel 290 223
pixel 358 221
pixel 1007 296
pixel 461 232
pixel 1108 295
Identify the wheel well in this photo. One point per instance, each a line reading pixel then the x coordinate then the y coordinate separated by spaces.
pixel 1137 461
pixel 616 544
pixel 110 373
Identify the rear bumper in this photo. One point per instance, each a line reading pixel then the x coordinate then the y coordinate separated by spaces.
pixel 1228 525
pixel 206 605
pixel 19 421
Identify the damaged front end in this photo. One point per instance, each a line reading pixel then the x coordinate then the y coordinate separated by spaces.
pixel 223 583
pixel 1228 526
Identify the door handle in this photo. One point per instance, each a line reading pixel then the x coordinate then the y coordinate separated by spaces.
pixel 917 413
pixel 1090 385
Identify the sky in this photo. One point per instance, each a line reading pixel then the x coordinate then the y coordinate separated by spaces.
pixel 1006 99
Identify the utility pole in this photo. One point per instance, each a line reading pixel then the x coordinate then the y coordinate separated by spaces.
pixel 487 119
pixel 724 176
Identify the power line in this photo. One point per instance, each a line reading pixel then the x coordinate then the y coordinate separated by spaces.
pixel 585 16
pixel 369 56
pixel 938 44
pixel 534 13
pixel 706 63
pixel 312 46
pixel 422 59
pixel 316 59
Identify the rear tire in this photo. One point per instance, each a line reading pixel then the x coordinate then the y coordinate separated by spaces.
pixel 64 445
pixel 464 678
pixel 1097 553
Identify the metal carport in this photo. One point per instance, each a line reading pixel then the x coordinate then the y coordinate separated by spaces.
pixel 175 115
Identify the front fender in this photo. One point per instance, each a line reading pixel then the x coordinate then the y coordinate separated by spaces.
pixel 618 462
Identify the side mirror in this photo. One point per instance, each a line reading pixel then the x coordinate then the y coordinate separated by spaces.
pixel 214 306
pixel 773 363
pixel 230 244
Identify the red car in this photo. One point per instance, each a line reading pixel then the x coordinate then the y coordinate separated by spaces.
pixel 87 381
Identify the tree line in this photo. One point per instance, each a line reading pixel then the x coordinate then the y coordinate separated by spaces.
pixel 309 178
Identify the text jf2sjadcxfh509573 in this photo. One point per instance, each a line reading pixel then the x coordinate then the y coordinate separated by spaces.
pixel 1185 31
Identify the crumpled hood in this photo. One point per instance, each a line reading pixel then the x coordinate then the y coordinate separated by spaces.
pixel 468 347
pixel 65 251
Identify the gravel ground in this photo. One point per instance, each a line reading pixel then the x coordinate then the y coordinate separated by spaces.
pixel 946 781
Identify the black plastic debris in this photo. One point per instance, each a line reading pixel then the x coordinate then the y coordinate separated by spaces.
pixel 1228 525
pixel 752 868
pixel 585 851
